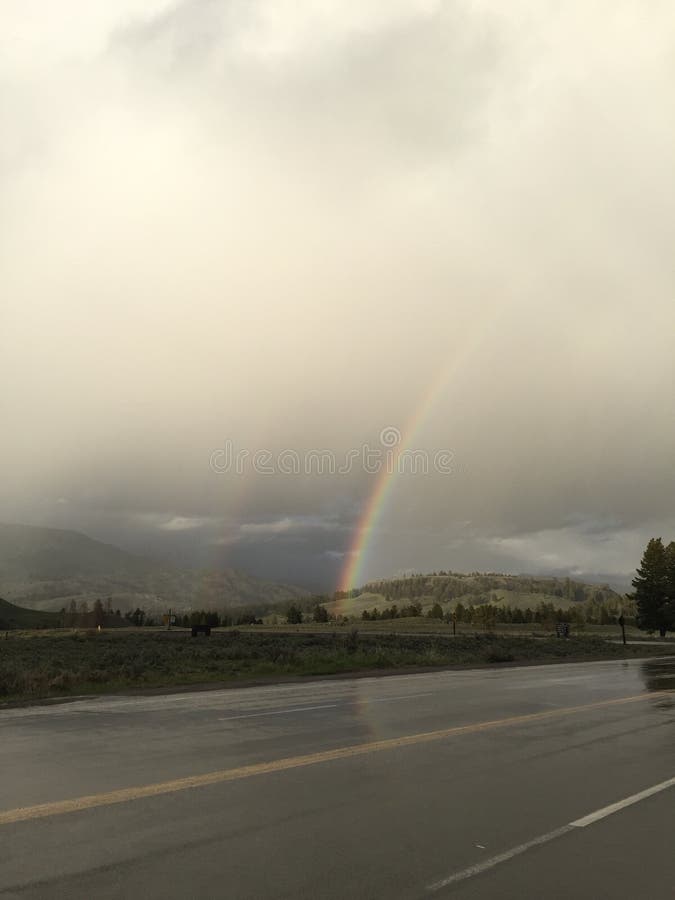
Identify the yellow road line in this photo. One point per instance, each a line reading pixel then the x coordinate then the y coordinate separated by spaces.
pixel 124 795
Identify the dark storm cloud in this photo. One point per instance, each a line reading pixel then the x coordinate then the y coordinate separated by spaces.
pixel 275 223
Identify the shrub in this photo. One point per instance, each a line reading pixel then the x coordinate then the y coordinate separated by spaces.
pixel 495 654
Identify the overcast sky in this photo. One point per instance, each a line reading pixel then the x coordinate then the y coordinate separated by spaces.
pixel 290 225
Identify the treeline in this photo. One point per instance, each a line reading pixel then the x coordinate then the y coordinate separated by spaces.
pixel 316 613
pixel 445 586
pixel 82 615
pixel 101 613
pixel 592 612
pixel 214 619
pixel 413 610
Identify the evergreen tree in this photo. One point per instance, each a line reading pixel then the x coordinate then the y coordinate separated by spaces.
pixel 320 613
pixel 651 586
pixel 294 615
pixel 99 615
pixel 669 606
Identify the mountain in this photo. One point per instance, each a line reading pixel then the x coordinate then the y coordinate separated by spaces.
pixel 47 568
pixel 30 552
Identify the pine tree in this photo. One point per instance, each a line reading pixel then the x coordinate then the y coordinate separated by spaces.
pixel 320 613
pixel 99 615
pixel 669 606
pixel 294 615
pixel 651 585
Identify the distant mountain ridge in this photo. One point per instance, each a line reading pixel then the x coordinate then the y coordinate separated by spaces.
pixel 47 568
pixel 28 550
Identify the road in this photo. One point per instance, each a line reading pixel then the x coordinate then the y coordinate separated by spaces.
pixel 467 784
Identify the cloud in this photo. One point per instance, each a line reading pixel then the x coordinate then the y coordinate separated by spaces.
pixel 278 222
pixel 297 525
pixel 282 526
pixel 183 523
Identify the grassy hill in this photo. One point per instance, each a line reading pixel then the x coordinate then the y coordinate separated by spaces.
pixel 46 568
pixel 451 588
pixel 12 616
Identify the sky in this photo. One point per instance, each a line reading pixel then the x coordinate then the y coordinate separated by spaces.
pixel 237 233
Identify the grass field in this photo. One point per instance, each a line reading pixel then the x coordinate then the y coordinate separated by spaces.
pixel 36 665
pixel 424 625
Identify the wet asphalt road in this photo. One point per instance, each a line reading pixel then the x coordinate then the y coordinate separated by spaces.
pixel 540 748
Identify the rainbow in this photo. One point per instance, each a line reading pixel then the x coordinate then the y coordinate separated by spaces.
pixel 383 484
pixel 357 554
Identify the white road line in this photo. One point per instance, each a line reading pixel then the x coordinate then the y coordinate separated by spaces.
pixel 629 801
pixel 479 868
pixel 280 712
pixel 277 712
pixel 400 697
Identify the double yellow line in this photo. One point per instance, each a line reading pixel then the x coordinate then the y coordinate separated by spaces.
pixel 125 795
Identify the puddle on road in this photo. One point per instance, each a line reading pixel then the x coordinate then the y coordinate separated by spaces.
pixel 659 675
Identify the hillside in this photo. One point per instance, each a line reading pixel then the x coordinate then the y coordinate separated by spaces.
pixel 450 588
pixel 33 553
pixel 12 616
pixel 46 568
